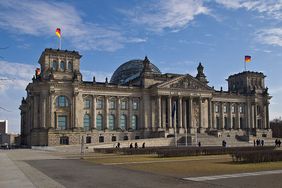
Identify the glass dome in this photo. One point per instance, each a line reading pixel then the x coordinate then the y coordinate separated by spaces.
pixel 130 70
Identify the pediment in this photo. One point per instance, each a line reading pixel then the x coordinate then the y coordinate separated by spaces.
pixel 184 82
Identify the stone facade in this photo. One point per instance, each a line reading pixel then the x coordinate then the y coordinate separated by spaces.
pixel 60 107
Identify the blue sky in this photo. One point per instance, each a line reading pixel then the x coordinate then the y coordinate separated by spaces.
pixel 175 34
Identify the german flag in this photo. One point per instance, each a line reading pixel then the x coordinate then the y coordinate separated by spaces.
pixel 58 32
pixel 248 59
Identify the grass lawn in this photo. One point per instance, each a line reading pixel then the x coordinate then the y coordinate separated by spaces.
pixel 183 166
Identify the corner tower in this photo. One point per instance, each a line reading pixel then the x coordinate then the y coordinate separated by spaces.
pixel 60 65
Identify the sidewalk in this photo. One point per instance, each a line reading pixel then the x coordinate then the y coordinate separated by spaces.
pixel 11 175
pixel 15 172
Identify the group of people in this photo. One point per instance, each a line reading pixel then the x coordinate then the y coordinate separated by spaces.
pixel 136 145
pixel 131 145
pixel 258 142
pixel 277 143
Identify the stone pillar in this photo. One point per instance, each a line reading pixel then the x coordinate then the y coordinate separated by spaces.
pixel 169 113
pixel 221 116
pixel 164 110
pixel 159 109
pixel 255 116
pixel 184 116
pixel 52 122
pixel 43 110
pixel 238 126
pixel 117 118
pixel 35 112
pixel 153 102
pixel 106 110
pixel 180 123
pixel 267 126
pixel 209 114
pixel 94 112
pixel 200 115
pixel 129 118
pixel 230 126
pixel 191 126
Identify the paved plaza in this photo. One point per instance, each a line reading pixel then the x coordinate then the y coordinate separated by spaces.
pixel 32 168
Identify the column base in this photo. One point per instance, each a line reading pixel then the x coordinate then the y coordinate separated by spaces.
pixel 181 130
pixel 171 130
pixel 202 130
pixel 192 130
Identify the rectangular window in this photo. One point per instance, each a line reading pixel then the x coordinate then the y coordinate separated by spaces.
pixel 99 104
pixel 135 105
pixel 123 105
pixel 87 103
pixel 224 108
pixel 216 108
pixel 241 109
pixel 62 122
pixel 112 104
pixel 232 109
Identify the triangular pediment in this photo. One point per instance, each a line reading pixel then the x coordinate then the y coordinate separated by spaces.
pixel 184 82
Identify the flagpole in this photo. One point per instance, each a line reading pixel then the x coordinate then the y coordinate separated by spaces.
pixel 60 43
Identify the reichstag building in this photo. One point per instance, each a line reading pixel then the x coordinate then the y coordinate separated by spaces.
pixel 137 102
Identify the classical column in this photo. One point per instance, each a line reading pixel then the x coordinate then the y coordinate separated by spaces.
pixel 52 122
pixel 94 112
pixel 117 118
pixel 184 116
pixel 129 118
pixel 267 126
pixel 230 126
pixel 180 112
pixel 164 108
pixel 106 110
pixel 200 114
pixel 35 111
pixel 43 110
pixel 209 113
pixel 169 112
pixel 221 116
pixel 238 126
pixel 255 116
pixel 153 101
pixel 159 109
pixel 190 113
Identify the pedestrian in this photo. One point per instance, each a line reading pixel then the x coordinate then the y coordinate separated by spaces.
pixel 262 142
pixel 279 143
pixel 223 143
pixel 143 145
pixel 254 142
pixel 118 145
pixel 136 145
pixel 257 142
pixel 199 144
pixel 276 142
pixel 130 146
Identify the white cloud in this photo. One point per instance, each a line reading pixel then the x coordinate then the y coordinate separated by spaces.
pixel 39 18
pixel 15 75
pixel 271 36
pixel 272 8
pixel 170 14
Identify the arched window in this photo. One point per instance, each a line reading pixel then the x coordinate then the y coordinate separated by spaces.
pixel 111 122
pixel 62 101
pixel 99 122
pixel 69 65
pixel 62 65
pixel 99 103
pixel 134 122
pixel 123 122
pixel 54 65
pixel 86 122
